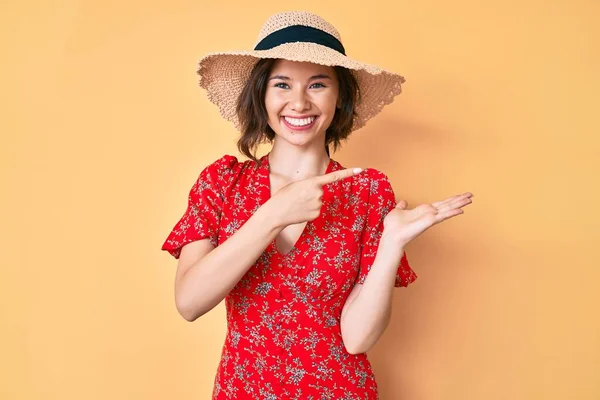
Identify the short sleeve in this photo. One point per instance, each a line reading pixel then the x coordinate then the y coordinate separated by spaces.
pixel 381 201
pixel 203 213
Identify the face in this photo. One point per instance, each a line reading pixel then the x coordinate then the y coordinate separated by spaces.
pixel 301 100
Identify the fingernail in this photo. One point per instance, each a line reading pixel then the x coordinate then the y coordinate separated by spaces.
pixel 357 170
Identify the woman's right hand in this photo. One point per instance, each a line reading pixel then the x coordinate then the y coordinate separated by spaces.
pixel 301 201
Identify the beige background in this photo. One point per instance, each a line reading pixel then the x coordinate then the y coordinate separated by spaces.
pixel 104 131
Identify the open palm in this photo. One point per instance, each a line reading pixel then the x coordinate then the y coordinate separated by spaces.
pixel 404 225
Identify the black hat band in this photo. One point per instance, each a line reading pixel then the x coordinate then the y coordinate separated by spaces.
pixel 300 33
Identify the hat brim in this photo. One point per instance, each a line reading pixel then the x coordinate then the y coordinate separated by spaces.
pixel 223 76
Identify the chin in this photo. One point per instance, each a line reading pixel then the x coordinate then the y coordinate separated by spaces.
pixel 295 138
pixel 297 141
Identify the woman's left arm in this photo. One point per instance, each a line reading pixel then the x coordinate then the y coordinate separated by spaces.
pixel 368 308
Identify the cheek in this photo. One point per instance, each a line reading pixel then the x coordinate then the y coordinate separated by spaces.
pixel 327 103
pixel 273 104
pixel 328 108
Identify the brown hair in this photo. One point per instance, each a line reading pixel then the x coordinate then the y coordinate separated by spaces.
pixel 253 117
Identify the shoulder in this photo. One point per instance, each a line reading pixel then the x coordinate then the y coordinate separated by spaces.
pixel 377 188
pixel 225 171
pixel 376 175
pixel 223 165
pixel 229 164
pixel 374 180
pixel 216 176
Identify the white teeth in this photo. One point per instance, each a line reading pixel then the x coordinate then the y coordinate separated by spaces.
pixel 299 121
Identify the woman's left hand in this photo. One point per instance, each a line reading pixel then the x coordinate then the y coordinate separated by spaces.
pixel 404 225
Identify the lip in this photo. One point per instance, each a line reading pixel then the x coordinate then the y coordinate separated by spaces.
pixel 301 116
pixel 300 128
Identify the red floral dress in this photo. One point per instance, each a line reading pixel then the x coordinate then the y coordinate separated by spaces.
pixel 283 336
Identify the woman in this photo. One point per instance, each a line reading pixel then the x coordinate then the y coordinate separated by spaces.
pixel 305 252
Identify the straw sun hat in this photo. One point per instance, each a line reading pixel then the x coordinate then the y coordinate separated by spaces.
pixel 295 36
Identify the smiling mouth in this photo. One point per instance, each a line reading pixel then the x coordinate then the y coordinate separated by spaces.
pixel 299 123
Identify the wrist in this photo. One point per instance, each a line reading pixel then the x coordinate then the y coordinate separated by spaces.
pixel 389 239
pixel 270 216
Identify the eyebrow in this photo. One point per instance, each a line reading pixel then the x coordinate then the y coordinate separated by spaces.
pixel 285 78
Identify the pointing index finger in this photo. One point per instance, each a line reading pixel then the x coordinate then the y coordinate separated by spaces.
pixel 337 175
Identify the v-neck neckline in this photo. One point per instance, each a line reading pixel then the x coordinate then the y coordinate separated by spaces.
pixel 266 177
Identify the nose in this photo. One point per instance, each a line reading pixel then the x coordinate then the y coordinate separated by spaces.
pixel 299 101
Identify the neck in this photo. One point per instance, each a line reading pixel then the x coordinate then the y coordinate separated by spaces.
pixel 292 163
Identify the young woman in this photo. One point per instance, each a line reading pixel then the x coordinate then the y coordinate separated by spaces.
pixel 306 253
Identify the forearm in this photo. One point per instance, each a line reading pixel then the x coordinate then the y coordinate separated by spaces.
pixel 212 277
pixel 368 314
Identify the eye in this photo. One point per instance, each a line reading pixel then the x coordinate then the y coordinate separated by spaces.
pixel 319 83
pixel 281 83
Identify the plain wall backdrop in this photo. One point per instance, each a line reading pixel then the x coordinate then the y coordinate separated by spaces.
pixel 104 130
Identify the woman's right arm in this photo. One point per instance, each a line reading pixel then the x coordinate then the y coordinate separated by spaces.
pixel 202 281
pixel 206 274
